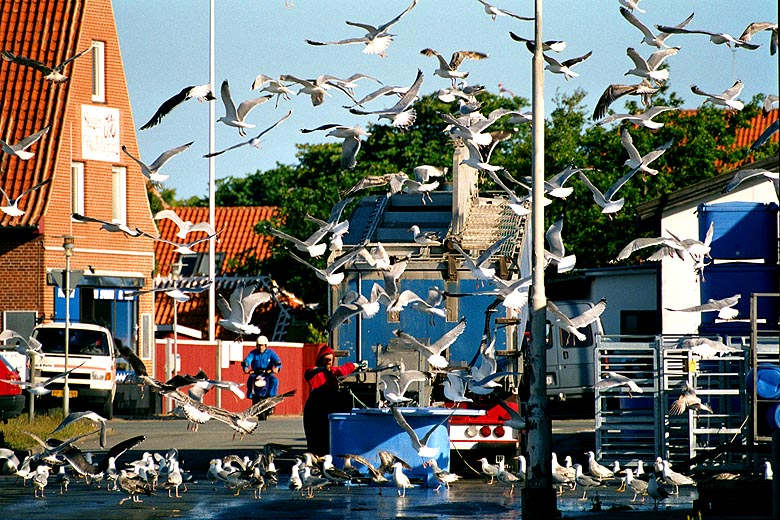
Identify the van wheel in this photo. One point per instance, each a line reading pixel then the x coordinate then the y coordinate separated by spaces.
pixel 108 408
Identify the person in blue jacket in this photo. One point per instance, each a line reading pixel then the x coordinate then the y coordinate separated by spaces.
pixel 263 363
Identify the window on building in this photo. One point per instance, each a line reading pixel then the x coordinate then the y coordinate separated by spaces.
pixel 639 322
pixel 77 188
pixel 198 264
pixel 98 72
pixel 119 194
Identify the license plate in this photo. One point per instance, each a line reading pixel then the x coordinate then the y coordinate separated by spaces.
pixel 59 393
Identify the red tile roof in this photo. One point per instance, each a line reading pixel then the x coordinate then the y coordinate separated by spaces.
pixel 46 31
pixel 747 136
pixel 237 239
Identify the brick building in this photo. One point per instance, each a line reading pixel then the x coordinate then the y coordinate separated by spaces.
pixel 90 118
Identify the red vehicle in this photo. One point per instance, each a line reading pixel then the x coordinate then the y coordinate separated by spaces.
pixel 11 398
pixel 484 432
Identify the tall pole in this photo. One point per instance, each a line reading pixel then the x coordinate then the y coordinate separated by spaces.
pixel 212 163
pixel 539 499
pixel 67 245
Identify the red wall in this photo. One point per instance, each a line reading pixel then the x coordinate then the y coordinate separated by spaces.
pixel 296 357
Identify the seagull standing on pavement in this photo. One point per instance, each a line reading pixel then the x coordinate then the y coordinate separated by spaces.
pixel 401 480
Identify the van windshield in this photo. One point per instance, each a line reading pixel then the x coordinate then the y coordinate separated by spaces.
pixel 82 342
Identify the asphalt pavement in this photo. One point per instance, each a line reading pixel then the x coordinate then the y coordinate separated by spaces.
pixel 469 498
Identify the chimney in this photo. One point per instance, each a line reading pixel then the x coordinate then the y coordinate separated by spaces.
pixel 464 189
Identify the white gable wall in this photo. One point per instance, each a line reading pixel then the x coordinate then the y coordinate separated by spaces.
pixel 680 287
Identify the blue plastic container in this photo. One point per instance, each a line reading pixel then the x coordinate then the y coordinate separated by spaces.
pixel 767 381
pixel 773 416
pixel 367 431
pixel 732 222
pixel 728 279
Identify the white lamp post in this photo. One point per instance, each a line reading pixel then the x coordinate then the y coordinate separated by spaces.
pixel 67 245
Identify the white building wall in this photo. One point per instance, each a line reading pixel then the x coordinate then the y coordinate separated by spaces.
pixel 680 287
pixel 625 290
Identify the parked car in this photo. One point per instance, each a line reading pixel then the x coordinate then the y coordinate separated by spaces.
pixel 11 397
pixel 92 385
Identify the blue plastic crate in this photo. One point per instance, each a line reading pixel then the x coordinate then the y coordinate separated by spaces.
pixel 367 431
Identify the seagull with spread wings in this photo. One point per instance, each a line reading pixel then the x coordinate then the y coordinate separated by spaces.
pixel 376 40
pixel 185 227
pixel 38 389
pixel 642 162
pixel 655 40
pixel 724 307
pixel 607 200
pixel 420 445
pixel 451 70
pixel 742 175
pixel 111 227
pixel 727 99
pixel 30 346
pixel 200 92
pixel 688 400
pixel 697 250
pixel 494 11
pixel 254 141
pixel 433 352
pixel 19 150
pixel 571 325
pixel 401 114
pixel 557 252
pixel 565 67
pixel 151 171
pixel 351 144
pixel 644 119
pixel 88 414
pixel 237 313
pixel 12 207
pixel 649 68
pixel 54 74
pixel 642 89
pixel 718 38
pixel 331 273
pixel 236 117
pixel 615 380
pixel 547 45
pixel 479 267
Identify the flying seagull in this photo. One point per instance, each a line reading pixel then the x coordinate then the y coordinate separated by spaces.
pixel 642 162
pixel 330 274
pixel 688 400
pixel 237 312
pixel 19 150
pixel 394 180
pixel 151 171
pixel 433 352
pixel 494 11
pixel 697 250
pixel 26 346
pixel 376 40
pixel 615 380
pixel 644 119
pixel 715 37
pixel 185 227
pixel 400 114
pixel 254 141
pixel 92 416
pixel 557 252
pixel 649 68
pixel 764 137
pixel 451 70
pixel 274 86
pixel 649 38
pixel 707 348
pixel 548 45
pixel 615 91
pixel 39 389
pixel 571 325
pixel 419 445
pixel 565 67
pixel 756 27
pixel 55 74
pixel 479 267
pixel 606 200
pixel 351 144
pixel 112 227
pixel 182 248
pixel 200 92
pixel 12 207
pixel 727 99
pixel 724 306
pixel 742 175
pixel 235 117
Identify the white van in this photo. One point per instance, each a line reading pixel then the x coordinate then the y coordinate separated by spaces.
pixel 92 385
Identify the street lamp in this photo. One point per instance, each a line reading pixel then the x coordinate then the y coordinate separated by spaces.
pixel 175 276
pixel 67 246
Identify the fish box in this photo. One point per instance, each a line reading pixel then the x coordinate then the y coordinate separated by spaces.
pixel 366 431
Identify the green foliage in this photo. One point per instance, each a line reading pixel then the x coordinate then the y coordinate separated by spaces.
pixel 704 146
pixel 42 426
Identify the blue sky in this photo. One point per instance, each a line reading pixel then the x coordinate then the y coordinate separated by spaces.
pixel 165 48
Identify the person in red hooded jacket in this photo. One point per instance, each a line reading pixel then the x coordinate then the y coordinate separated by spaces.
pixel 324 398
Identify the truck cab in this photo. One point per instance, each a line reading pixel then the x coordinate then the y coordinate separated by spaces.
pixel 93 384
pixel 569 360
